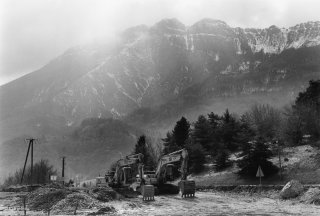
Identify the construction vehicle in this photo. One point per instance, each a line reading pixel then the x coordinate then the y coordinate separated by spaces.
pixel 126 170
pixel 101 181
pixel 164 173
pixel 109 176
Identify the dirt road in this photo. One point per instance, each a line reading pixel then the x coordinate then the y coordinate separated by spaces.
pixel 205 203
pixel 208 203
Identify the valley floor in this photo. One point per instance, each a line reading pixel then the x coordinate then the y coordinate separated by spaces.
pixel 205 203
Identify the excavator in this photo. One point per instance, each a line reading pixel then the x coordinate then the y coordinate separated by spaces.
pixel 126 170
pixel 129 174
pixel 129 179
pixel 164 173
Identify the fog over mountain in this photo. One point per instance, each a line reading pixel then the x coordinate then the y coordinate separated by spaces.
pixel 147 79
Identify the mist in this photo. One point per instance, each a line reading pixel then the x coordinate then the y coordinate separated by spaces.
pixel 36 31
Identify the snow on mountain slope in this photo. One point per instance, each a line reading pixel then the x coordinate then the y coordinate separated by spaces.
pixel 149 66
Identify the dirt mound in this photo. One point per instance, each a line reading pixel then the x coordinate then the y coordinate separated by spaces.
pixel 74 202
pixel 312 196
pixel 59 200
pixel 44 198
pixel 104 194
pixel 104 210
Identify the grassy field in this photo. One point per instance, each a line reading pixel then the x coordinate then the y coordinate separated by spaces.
pixel 301 163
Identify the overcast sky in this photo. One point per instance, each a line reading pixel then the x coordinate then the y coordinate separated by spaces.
pixel 33 32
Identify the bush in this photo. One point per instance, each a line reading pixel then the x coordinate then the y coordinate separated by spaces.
pixel 41 173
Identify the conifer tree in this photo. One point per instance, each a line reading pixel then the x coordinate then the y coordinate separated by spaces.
pixel 201 133
pixel 222 159
pixel 196 156
pixel 141 147
pixel 257 155
pixel 229 131
pixel 307 109
pixel 181 132
pixel 169 144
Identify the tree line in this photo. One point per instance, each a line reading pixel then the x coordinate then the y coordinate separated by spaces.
pixel 258 134
pixel 42 171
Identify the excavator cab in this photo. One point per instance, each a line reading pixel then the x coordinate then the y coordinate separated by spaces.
pixel 109 176
pixel 127 175
pixel 169 172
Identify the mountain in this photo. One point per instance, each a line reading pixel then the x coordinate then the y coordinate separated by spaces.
pixel 150 76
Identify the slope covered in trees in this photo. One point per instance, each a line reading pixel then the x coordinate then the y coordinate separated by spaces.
pixel 258 134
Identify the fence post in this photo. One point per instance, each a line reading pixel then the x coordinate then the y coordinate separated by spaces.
pixel 24 206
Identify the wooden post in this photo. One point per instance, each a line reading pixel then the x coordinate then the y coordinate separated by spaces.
pixel 76 208
pixel 24 206
pixel 31 142
pixel 63 161
pixel 279 155
pixel 25 163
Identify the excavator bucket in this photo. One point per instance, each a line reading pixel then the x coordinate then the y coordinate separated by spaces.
pixel 147 192
pixel 187 188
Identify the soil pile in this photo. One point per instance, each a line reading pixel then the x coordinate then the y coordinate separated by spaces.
pixel 312 196
pixel 104 194
pixel 104 210
pixel 44 198
pixel 60 200
pixel 74 202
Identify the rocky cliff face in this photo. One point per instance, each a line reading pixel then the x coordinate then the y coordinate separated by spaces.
pixel 150 66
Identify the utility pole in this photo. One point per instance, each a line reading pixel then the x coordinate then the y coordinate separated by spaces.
pixel 279 155
pixel 63 163
pixel 31 141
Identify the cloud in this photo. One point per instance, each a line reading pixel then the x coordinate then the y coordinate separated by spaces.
pixel 35 31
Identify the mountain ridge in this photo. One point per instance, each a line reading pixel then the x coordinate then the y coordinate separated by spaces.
pixel 147 79
pixel 147 66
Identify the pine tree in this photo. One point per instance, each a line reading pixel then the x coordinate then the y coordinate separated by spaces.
pixel 169 144
pixel 201 133
pixel 196 156
pixel 141 147
pixel 181 132
pixel 177 139
pixel 307 109
pixel 222 160
pixel 229 131
pixel 214 120
pixel 257 155
pixel 245 136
